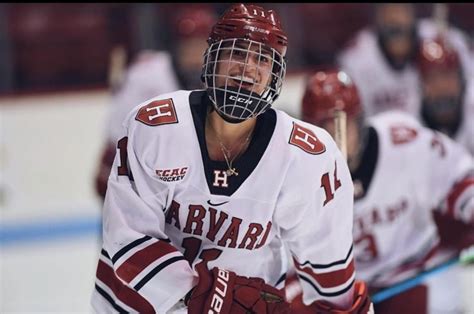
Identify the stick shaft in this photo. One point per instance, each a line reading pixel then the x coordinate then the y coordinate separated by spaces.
pixel 411 282
pixel 340 132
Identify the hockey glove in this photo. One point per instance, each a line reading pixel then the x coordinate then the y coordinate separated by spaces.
pixel 361 304
pixel 222 291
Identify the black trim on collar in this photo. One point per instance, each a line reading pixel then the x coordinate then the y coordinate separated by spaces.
pixel 247 162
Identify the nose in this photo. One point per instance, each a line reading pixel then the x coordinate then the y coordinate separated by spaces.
pixel 251 65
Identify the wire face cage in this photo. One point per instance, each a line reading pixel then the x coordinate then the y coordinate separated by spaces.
pixel 242 77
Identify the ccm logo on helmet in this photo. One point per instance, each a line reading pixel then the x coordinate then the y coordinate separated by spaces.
pixel 240 99
pixel 218 297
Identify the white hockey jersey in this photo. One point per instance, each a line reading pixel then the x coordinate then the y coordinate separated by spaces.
pixel 416 170
pixel 150 75
pixel 382 88
pixel 168 206
pixel 465 134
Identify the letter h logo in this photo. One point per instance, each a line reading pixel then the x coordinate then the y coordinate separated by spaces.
pixel 220 178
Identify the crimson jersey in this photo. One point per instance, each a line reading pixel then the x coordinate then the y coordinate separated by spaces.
pixel 168 206
pixel 414 170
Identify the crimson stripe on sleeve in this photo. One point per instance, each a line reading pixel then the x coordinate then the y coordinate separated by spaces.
pixel 128 296
pixel 324 266
pixel 330 279
pixel 142 259
pixel 456 191
pixel 128 247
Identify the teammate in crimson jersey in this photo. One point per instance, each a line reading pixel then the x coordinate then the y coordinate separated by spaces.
pixel 156 72
pixel 401 171
pixel 210 187
pixel 381 59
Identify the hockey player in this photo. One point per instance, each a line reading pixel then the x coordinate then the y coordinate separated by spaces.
pixel 381 58
pixel 145 77
pixel 447 105
pixel 401 171
pixel 447 98
pixel 208 187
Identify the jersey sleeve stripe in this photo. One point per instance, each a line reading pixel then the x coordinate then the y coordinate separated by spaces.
pixel 329 279
pixel 459 189
pixel 341 262
pixel 156 270
pixel 128 247
pixel 324 293
pixel 128 296
pixel 104 252
pixel 281 279
pixel 110 299
pixel 135 264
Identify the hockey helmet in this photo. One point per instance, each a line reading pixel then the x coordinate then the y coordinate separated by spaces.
pixel 251 32
pixel 327 91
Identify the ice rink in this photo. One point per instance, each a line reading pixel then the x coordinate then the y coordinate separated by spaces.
pixel 50 216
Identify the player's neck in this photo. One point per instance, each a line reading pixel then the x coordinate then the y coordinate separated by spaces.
pixel 234 137
pixel 228 133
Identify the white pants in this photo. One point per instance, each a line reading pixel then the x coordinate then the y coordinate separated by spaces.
pixel 445 291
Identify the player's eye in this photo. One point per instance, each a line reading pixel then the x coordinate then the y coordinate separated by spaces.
pixel 264 58
pixel 239 53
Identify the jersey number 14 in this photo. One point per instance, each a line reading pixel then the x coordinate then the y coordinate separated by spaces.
pixel 326 185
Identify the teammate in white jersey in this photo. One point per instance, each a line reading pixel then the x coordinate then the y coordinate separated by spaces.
pixel 210 187
pixel 156 72
pixel 380 58
pixel 401 171
pixel 447 100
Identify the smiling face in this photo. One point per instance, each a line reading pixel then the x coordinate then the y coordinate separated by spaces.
pixel 244 64
pixel 242 77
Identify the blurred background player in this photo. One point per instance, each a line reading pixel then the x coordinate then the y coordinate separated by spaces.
pixel 447 105
pixel 381 58
pixel 447 92
pixel 401 171
pixel 153 73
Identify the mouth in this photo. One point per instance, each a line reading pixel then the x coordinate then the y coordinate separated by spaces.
pixel 244 81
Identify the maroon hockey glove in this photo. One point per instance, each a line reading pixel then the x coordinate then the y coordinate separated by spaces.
pixel 222 291
pixel 361 304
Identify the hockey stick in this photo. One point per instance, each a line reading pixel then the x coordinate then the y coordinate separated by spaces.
pixel 340 125
pixel 465 257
